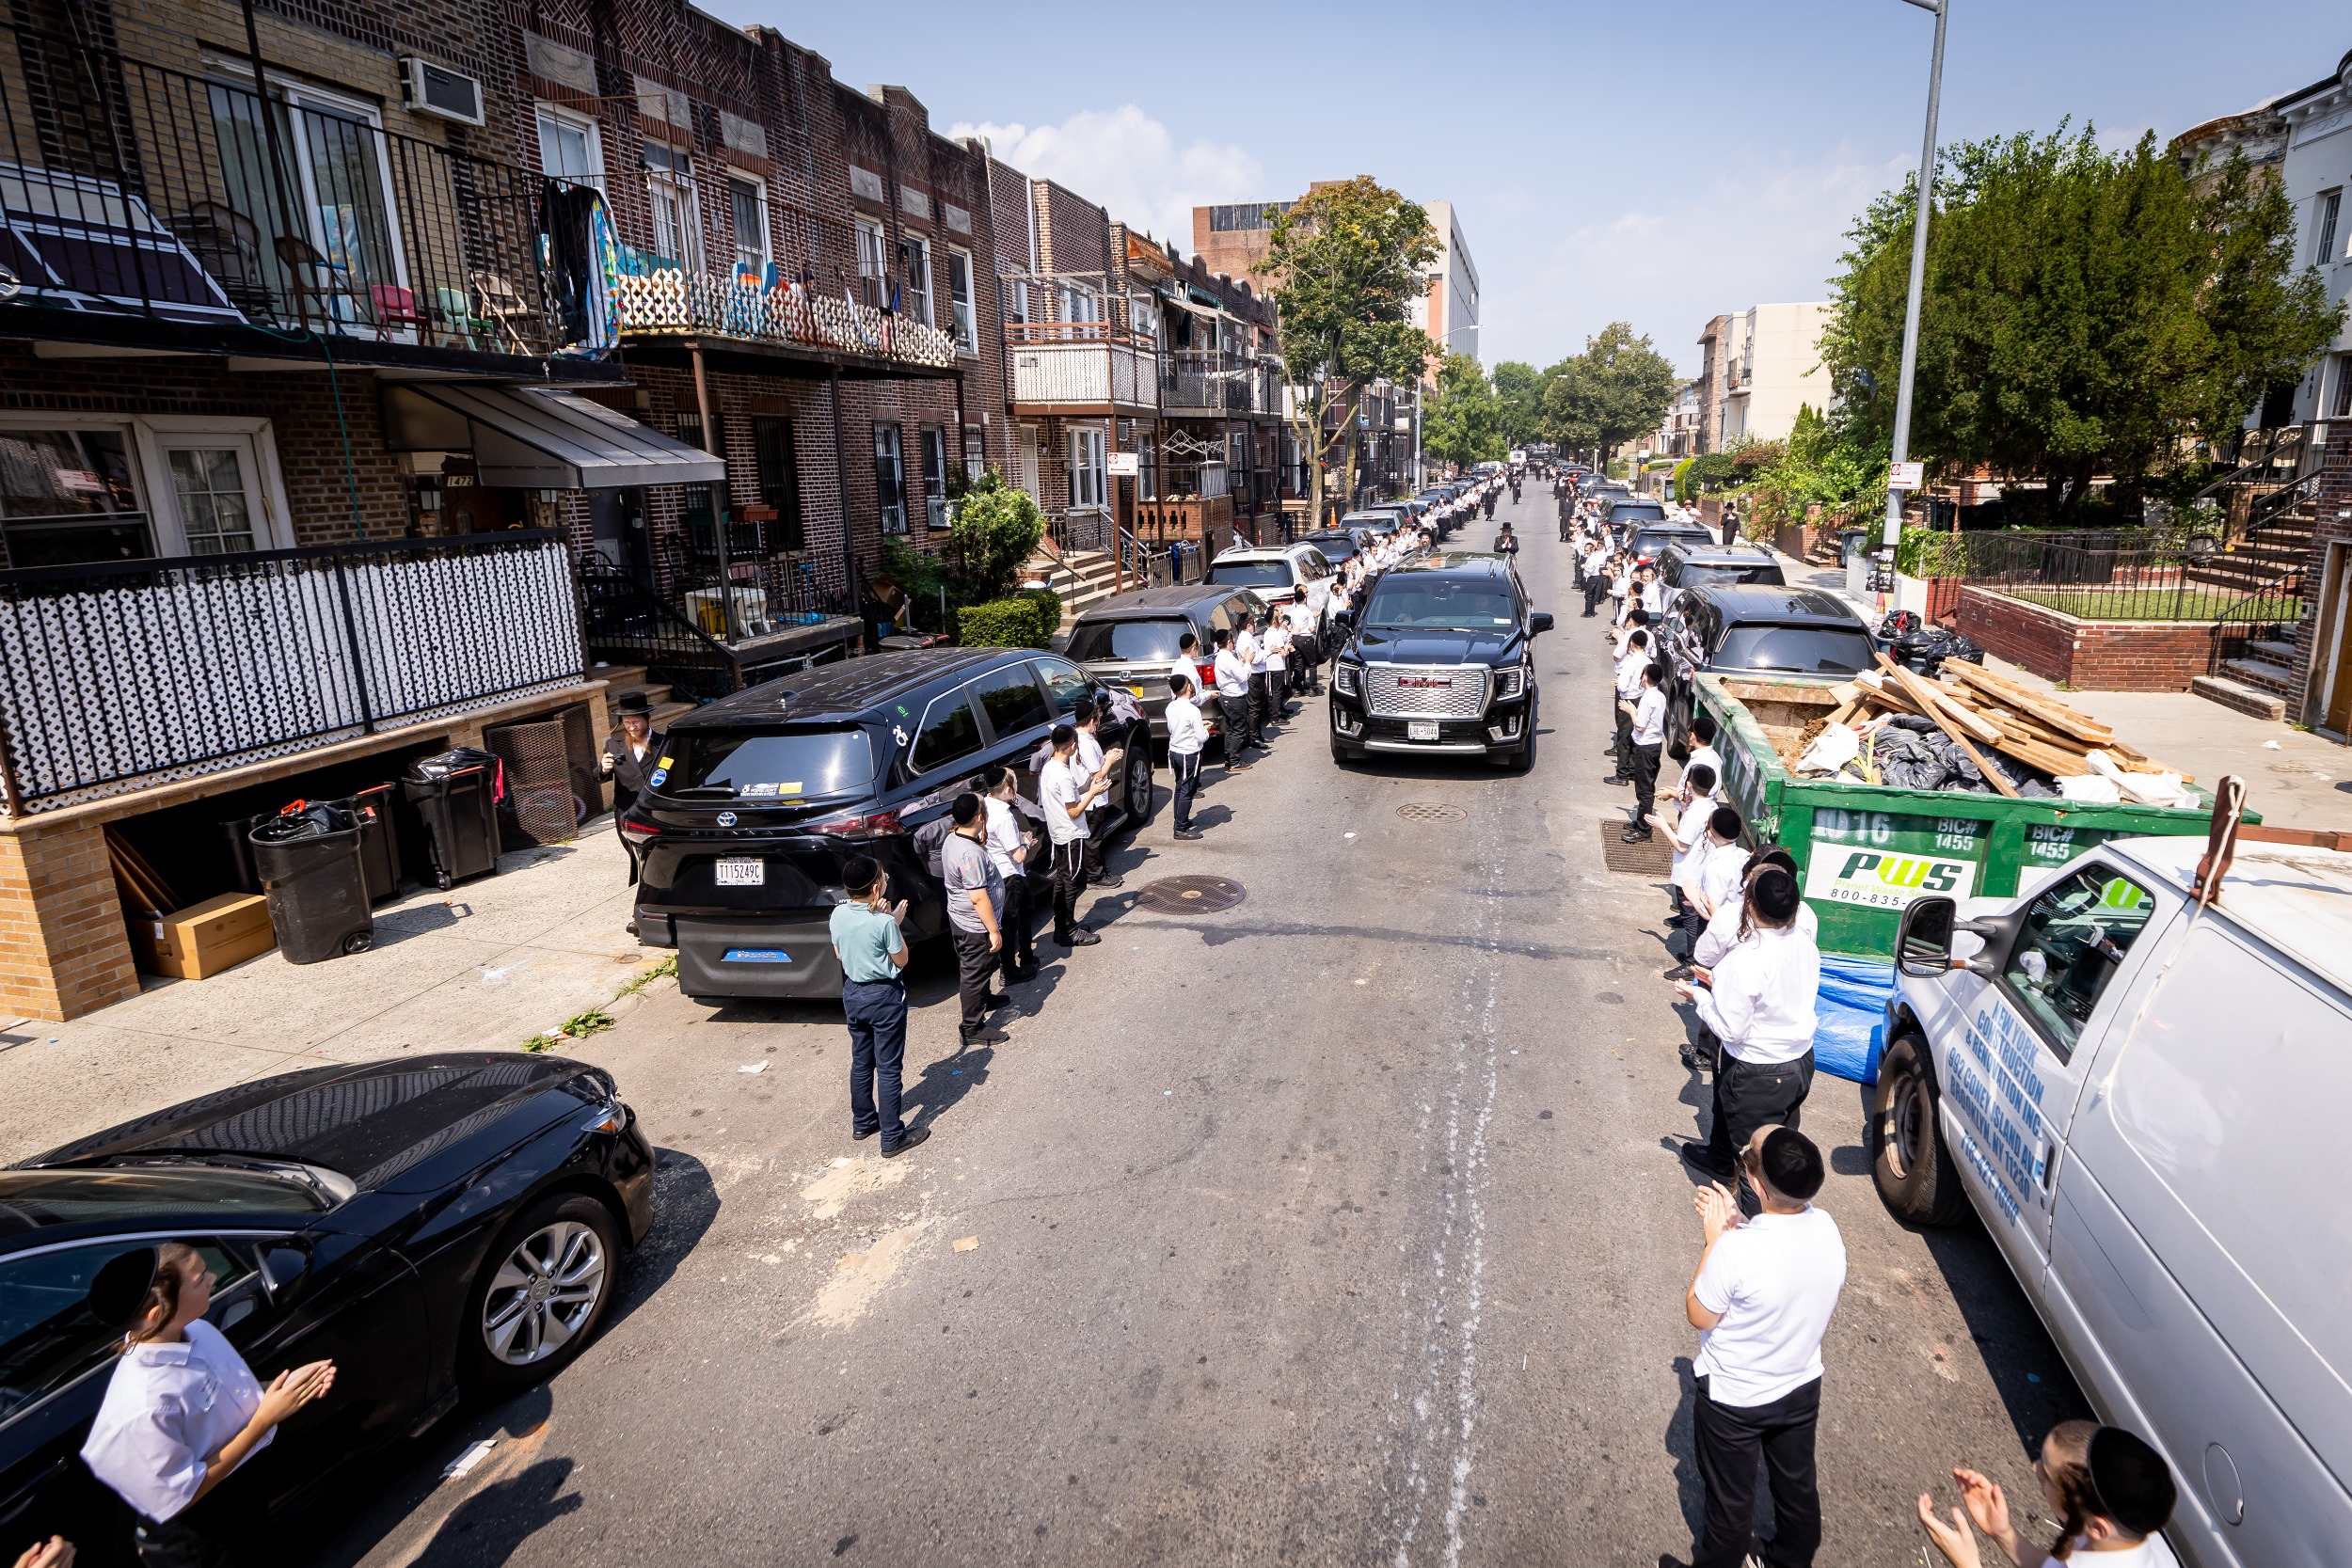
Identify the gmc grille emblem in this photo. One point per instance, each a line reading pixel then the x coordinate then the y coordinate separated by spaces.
pixel 1444 681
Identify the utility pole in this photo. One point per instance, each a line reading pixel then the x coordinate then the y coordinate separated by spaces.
pixel 1919 278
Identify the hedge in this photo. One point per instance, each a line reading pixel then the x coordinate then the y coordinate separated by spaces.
pixel 1018 621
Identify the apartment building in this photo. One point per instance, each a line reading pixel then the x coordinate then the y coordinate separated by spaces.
pixel 1757 368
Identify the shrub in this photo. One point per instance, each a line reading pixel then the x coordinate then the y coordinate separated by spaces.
pixel 995 528
pixel 1017 621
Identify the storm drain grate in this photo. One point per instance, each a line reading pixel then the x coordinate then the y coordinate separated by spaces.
pixel 1654 859
pixel 1430 811
pixel 1191 895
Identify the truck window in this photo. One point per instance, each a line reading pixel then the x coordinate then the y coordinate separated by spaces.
pixel 2074 939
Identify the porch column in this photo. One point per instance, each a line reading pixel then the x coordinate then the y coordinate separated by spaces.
pixel 63 948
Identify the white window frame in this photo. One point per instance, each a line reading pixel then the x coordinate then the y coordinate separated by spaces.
pixel 299 98
pixel 761 254
pixel 2327 210
pixel 549 113
pixel 932 440
pixel 668 183
pixel 918 280
pixel 963 304
pixel 149 437
pixel 1089 482
pixel 898 455
pixel 873 257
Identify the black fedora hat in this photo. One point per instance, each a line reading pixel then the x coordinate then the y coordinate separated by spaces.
pixel 632 701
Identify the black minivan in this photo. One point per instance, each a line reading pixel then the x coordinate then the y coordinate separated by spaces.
pixel 758 797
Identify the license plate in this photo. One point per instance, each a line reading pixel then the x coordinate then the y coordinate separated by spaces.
pixel 1135 692
pixel 746 873
pixel 1417 729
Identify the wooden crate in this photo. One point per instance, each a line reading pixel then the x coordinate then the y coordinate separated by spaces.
pixel 203 939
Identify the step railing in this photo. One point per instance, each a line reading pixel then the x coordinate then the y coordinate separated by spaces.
pixel 621 613
pixel 2272 607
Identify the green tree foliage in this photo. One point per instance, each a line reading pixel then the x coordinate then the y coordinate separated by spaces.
pixel 1347 263
pixel 1618 387
pixel 1519 389
pixel 997 527
pixel 2085 312
pixel 1465 423
pixel 1822 464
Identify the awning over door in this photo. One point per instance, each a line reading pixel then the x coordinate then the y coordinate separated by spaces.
pixel 536 438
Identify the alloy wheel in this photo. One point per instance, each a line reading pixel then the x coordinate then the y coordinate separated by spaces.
pixel 545 1292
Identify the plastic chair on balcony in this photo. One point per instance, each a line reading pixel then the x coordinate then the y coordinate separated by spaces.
pixel 502 304
pixel 395 309
pixel 454 324
pixel 311 275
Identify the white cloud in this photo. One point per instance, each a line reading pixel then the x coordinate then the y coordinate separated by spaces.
pixel 1127 161
pixel 1757 232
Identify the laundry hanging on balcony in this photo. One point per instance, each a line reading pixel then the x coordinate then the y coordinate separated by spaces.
pixel 582 257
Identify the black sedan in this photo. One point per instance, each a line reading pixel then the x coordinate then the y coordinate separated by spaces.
pixel 434 1225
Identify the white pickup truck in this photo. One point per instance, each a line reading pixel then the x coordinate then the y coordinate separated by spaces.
pixel 2146 1101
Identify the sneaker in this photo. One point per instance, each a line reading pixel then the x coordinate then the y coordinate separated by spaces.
pixel 1188 834
pixel 987 1036
pixel 1079 938
pixel 1679 972
pixel 914 1135
pixel 1109 879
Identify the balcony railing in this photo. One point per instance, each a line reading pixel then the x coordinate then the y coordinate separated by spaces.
pixel 1079 364
pixel 655 299
pixel 1204 381
pixel 135 673
pixel 133 190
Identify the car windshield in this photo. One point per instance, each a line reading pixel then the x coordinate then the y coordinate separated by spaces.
pixel 30 1200
pixel 1763 571
pixel 1413 600
pixel 1635 510
pixel 1650 542
pixel 1250 573
pixel 1800 650
pixel 1129 641
pixel 1335 547
pixel 773 764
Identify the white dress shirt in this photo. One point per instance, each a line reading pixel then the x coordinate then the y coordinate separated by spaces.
pixel 168 1407
pixel 1059 786
pixel 1233 673
pixel 1723 929
pixel 1761 1003
pixel 1630 665
pixel 1089 752
pixel 1719 870
pixel 1004 838
pixel 1188 733
pixel 1772 1282
pixel 1689 839
pixel 1650 718
pixel 1708 755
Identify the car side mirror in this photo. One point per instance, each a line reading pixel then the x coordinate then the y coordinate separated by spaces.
pixel 1923 940
pixel 1540 622
pixel 284 1262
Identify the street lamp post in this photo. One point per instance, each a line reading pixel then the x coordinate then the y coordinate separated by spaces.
pixel 1918 278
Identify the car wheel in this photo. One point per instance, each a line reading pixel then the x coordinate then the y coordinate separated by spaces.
pixel 1525 761
pixel 1342 755
pixel 541 1291
pixel 1909 1163
pixel 1138 791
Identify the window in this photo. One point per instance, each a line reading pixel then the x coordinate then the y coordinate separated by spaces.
pixel 48 1338
pixel 749 202
pixel 568 147
pixel 1128 642
pixel 1086 464
pixel 2344 387
pixel 2330 206
pixel 670 191
pixel 1065 684
pixel 951 730
pixel 1016 299
pixel 67 496
pixel 963 308
pixel 1079 304
pixel 934 476
pixel 782 763
pixel 779 473
pixel 872 270
pixel 209 485
pixel 890 479
pixel 1143 316
pixel 1147 472
pixel 915 266
pixel 1012 702
pixel 2074 939
pixel 974 454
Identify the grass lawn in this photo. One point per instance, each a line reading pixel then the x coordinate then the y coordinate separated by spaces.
pixel 2190 603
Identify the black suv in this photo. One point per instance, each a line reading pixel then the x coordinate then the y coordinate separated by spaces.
pixel 759 797
pixel 1441 662
pixel 1749 628
pixel 1688 564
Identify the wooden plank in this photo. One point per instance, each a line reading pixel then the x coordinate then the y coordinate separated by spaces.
pixel 1953 716
pixel 2047 710
pixel 1918 691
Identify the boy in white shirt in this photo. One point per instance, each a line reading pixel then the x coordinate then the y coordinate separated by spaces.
pixel 1684 821
pixel 1233 700
pixel 1188 733
pixel 1065 793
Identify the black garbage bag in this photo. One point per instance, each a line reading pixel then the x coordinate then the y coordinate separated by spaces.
pixel 305 819
pixel 1923 649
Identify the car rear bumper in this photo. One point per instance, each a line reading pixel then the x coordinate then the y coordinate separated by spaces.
pixel 785 959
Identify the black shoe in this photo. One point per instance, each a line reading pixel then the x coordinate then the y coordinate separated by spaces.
pixel 1021 975
pixel 1079 938
pixel 914 1136
pixel 1694 1155
pixel 1108 879
pixel 1188 834
pixel 1634 835
pixel 987 1036
pixel 1616 779
pixel 1691 1060
pixel 995 1000
pixel 1679 972
pixel 856 1136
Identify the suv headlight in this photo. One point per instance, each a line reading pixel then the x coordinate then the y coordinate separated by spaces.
pixel 1347 680
pixel 1510 683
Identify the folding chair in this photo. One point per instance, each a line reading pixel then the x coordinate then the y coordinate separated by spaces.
pixel 502 303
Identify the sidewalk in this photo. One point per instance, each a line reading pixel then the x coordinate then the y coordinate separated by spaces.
pixel 2294 778
pixel 485 966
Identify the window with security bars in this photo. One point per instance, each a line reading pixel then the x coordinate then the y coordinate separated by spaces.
pixel 779 480
pixel 890 478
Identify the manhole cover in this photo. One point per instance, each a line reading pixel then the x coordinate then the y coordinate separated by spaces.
pixel 1191 895
pixel 1653 859
pixel 1430 811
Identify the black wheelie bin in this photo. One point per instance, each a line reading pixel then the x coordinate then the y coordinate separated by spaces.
pixel 309 862
pixel 457 793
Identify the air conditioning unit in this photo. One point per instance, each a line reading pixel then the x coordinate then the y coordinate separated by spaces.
pixel 430 89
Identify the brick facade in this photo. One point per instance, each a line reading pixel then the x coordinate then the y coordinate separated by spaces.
pixel 2088 655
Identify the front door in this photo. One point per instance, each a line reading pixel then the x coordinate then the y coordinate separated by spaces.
pixel 1025 449
pixel 2337 661
pixel 218 505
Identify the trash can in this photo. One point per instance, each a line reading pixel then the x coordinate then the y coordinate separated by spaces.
pixel 237 833
pixel 308 862
pixel 379 839
pixel 457 792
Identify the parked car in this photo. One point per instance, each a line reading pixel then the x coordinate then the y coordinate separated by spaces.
pixel 1651 540
pixel 389 1216
pixel 1736 628
pixel 1370 524
pixel 1441 662
pixel 1635 512
pixel 1337 544
pixel 1130 641
pixel 2118 1081
pixel 1692 565
pixel 759 797
pixel 1277 573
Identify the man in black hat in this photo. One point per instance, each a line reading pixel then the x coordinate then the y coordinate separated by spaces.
pixel 630 755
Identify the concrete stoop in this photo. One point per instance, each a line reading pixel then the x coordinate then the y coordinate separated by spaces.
pixel 2239 696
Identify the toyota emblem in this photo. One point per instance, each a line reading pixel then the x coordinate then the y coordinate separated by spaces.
pixel 727 819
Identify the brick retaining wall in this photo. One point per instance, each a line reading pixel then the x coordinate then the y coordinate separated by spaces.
pixel 2089 656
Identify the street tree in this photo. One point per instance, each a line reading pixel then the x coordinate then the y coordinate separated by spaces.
pixel 2086 312
pixel 1463 424
pixel 1519 389
pixel 1348 262
pixel 1619 386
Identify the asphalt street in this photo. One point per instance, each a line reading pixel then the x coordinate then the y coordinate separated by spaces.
pixel 1340 1227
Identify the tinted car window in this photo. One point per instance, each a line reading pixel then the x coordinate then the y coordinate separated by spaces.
pixel 1065 684
pixel 2074 939
pixel 1801 650
pixel 784 763
pixel 1434 601
pixel 1132 641
pixel 1011 701
pixel 30 1198
pixel 1634 511
pixel 951 730
pixel 1688 575
pixel 48 1336
pixel 1251 574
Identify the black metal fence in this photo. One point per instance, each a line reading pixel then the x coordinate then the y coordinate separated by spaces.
pixel 132 188
pixel 117 675
pixel 2122 575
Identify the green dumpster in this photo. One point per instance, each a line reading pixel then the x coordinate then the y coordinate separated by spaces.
pixel 1866 850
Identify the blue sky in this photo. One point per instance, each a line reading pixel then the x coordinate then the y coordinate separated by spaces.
pixel 1660 161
